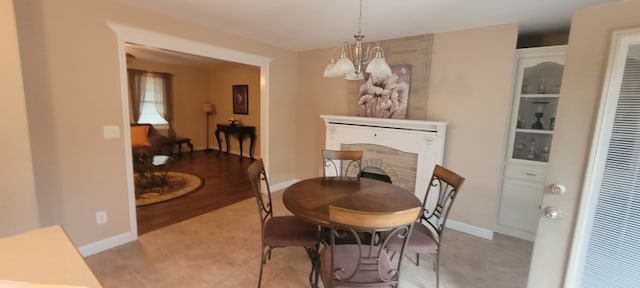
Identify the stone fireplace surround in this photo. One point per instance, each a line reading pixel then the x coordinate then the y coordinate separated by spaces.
pixel 400 166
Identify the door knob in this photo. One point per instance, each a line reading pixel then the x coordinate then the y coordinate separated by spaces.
pixel 552 212
pixel 557 189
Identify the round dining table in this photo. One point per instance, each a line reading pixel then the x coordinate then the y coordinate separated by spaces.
pixel 310 199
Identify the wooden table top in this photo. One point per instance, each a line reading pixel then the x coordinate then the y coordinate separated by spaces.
pixel 310 199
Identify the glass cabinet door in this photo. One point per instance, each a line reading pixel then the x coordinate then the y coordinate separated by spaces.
pixel 536 104
pixel 536 91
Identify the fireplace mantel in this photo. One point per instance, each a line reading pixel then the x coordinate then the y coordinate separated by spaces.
pixel 419 125
pixel 424 138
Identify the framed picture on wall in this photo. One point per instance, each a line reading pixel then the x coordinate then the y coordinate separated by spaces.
pixel 240 99
pixel 386 96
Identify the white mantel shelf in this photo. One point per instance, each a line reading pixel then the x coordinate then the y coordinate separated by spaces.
pixel 418 125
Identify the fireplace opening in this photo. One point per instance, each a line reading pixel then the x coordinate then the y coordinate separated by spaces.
pixel 375 173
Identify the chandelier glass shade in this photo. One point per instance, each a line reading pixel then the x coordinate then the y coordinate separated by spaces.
pixel 354 57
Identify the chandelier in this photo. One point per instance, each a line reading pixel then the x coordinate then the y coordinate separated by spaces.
pixel 353 57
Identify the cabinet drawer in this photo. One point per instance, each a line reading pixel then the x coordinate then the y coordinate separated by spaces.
pixel 531 173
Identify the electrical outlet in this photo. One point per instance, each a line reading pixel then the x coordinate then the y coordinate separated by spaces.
pixel 101 217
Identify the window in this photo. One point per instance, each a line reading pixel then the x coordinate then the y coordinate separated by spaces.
pixel 152 106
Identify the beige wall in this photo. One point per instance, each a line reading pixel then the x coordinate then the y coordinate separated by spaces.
pixel 586 64
pixel 221 82
pixel 72 87
pixel 18 206
pixel 316 96
pixel 471 79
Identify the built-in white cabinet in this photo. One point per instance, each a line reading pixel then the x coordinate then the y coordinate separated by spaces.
pixel 533 118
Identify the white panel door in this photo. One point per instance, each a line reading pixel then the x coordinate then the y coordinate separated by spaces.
pixel 608 187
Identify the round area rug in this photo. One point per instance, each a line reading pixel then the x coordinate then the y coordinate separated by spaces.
pixel 173 185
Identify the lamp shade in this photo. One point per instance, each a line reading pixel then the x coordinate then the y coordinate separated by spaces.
pixel 330 70
pixel 344 65
pixel 378 66
pixel 208 108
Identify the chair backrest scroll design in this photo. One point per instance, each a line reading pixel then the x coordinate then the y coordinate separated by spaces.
pixel 371 233
pixel 444 185
pixel 341 163
pixel 257 175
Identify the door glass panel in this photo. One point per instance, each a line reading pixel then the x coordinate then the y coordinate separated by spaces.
pixel 613 255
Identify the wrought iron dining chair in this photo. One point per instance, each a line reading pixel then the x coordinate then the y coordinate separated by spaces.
pixel 342 163
pixel 278 231
pixel 426 235
pixel 365 262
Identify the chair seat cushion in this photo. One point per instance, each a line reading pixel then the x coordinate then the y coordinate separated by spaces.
pixel 347 258
pixel 282 231
pixel 422 240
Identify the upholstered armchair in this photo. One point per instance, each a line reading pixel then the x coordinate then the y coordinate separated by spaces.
pixel 145 138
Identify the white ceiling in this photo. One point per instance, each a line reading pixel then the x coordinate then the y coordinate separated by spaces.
pixel 301 25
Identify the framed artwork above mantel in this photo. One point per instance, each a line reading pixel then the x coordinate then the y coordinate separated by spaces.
pixel 240 99
pixel 386 96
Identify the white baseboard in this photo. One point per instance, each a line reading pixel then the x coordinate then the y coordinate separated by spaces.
pixel 106 244
pixel 515 232
pixel 470 229
pixel 283 185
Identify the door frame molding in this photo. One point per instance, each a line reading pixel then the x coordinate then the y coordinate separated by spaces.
pixel 154 39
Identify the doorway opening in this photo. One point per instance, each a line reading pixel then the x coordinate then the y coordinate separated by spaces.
pixel 126 34
pixel 214 182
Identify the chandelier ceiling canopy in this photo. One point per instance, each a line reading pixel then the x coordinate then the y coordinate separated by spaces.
pixel 353 57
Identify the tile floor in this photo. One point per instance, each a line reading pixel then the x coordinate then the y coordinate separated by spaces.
pixel 221 249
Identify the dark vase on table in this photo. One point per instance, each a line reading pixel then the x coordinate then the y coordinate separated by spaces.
pixel 538 123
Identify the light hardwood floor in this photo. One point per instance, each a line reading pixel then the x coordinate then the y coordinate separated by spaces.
pixel 221 248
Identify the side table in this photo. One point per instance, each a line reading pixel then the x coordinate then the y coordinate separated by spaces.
pixel 239 132
pixel 178 141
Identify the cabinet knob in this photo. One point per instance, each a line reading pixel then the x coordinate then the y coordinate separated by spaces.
pixel 557 189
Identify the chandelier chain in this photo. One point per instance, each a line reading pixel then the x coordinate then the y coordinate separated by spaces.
pixel 360 19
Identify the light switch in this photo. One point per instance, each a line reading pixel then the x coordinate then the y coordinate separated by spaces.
pixel 111 131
